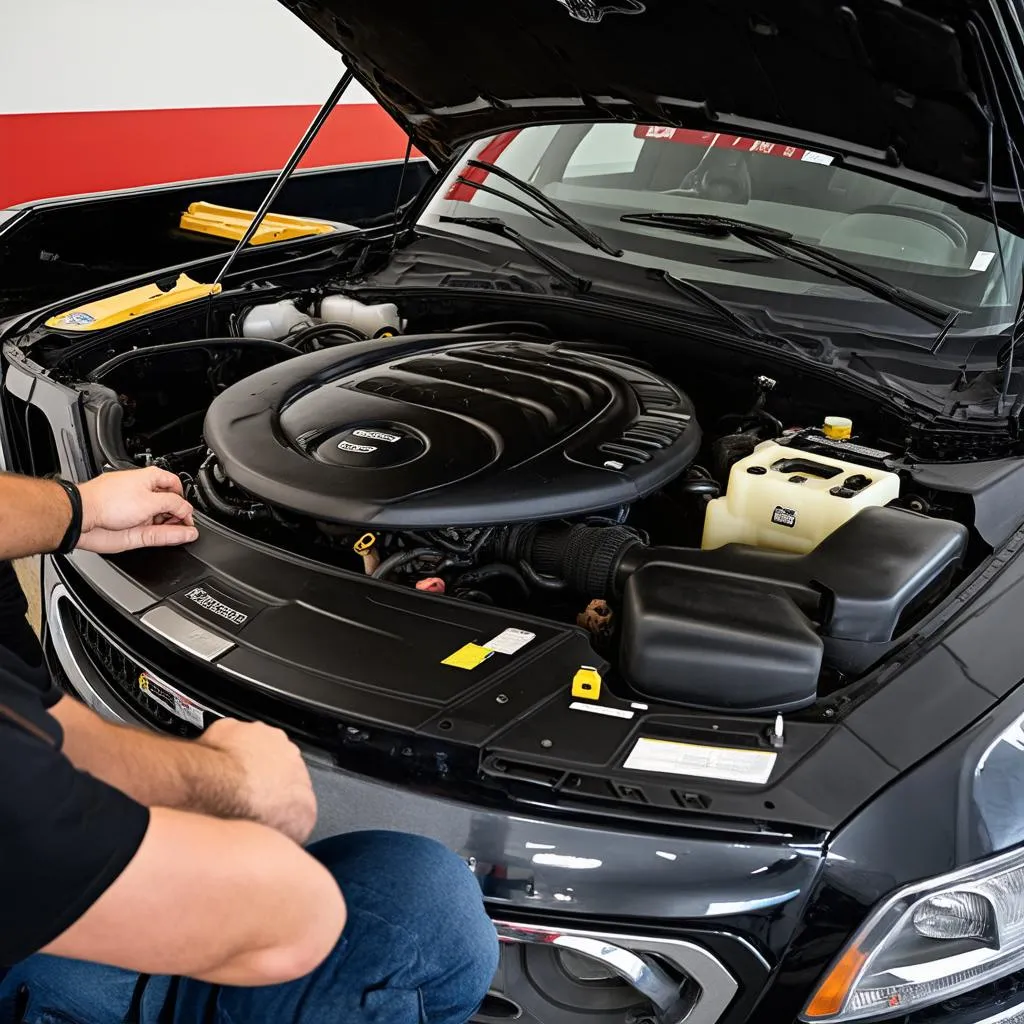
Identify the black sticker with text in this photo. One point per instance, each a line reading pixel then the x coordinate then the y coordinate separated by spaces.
pixel 218 606
pixel 784 516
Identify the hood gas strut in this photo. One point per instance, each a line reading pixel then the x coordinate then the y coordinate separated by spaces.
pixel 286 172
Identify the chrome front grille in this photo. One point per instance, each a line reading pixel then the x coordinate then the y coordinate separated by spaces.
pixel 72 628
pixel 682 981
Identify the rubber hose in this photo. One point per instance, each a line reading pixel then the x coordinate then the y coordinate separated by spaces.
pixel 109 439
pixel 400 558
pixel 322 330
pixel 700 486
pixel 585 557
pixel 185 346
pixel 487 572
pixel 451 562
pixel 208 495
pixel 538 581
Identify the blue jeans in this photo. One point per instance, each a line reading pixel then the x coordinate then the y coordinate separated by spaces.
pixel 418 948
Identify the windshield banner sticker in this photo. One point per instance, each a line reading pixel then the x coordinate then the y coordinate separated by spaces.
pixel 593 11
pixel 716 140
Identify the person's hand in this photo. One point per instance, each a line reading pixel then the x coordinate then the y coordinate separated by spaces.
pixel 134 508
pixel 275 782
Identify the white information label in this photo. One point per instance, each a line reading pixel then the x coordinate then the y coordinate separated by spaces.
pixel 730 764
pixel 509 641
pixel 810 157
pixel 168 697
pixel 982 259
pixel 600 709
pixel 857 449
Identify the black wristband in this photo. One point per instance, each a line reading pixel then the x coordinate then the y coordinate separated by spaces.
pixel 73 533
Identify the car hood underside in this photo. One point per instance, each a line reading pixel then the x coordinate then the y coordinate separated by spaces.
pixel 892 84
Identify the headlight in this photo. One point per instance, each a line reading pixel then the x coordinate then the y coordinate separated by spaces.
pixel 929 942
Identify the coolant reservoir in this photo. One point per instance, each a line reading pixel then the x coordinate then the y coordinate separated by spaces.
pixel 377 321
pixel 273 320
pixel 789 500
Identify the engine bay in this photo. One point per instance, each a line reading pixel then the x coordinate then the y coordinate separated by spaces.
pixel 744 542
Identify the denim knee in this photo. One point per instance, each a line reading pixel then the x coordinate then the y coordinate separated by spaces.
pixel 420 884
pixel 466 934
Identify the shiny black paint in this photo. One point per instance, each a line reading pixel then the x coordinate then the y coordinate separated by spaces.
pixel 896 778
pixel 724 66
pixel 794 906
pixel 959 806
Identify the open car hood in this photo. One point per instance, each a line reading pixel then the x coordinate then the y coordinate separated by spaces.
pixel 898 86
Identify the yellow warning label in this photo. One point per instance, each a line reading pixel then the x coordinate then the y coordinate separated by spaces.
pixel 586 684
pixel 468 657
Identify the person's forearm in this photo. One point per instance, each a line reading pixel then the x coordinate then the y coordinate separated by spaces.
pixel 227 902
pixel 154 770
pixel 34 515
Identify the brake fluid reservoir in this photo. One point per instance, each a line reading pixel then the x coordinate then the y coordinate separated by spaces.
pixel 788 500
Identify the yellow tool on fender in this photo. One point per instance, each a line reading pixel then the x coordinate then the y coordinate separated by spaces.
pixel 139 302
pixel 226 222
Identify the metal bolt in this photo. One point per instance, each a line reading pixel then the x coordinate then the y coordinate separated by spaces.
pixel 546 743
pixel 502 698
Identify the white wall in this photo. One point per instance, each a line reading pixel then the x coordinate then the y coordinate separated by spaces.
pixel 87 55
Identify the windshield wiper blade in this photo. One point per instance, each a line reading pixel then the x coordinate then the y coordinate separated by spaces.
pixel 728 315
pixel 542 215
pixel 814 257
pixel 560 216
pixel 496 226
pixel 715 305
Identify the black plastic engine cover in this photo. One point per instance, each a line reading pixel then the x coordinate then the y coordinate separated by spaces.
pixel 433 431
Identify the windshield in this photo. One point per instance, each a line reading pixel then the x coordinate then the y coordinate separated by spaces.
pixel 600 172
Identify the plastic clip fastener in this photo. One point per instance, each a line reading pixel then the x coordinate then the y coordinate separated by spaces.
pixel 586 684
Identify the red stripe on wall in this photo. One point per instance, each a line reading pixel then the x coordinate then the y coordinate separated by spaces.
pixel 68 153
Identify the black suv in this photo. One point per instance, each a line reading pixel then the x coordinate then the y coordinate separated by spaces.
pixel 635 506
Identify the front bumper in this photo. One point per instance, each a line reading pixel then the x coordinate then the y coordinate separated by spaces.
pixel 596 922
pixel 636 973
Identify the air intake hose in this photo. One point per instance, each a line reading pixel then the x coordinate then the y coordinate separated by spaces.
pixel 587 558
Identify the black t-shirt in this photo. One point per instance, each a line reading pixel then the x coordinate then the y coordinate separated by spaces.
pixel 65 836
pixel 15 632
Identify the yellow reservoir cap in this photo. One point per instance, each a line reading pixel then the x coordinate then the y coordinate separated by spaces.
pixel 119 309
pixel 837 428
pixel 227 222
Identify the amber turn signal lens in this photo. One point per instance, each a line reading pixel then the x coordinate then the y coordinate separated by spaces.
pixel 832 992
